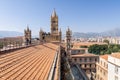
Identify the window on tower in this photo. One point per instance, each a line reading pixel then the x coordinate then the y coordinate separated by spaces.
pixel 54 29
pixel 53 21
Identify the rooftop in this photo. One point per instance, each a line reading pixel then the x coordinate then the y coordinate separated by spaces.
pixel 78 48
pixel 104 56
pixel 33 63
pixel 116 55
pixel 84 55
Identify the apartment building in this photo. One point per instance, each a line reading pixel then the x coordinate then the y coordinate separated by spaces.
pixel 114 66
pixel 86 61
pixel 102 68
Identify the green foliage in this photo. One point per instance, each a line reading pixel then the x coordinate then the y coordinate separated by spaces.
pixel 104 49
pixel 108 51
pixel 98 49
pixel 114 47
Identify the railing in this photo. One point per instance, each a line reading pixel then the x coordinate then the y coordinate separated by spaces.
pixel 53 71
pixel 8 49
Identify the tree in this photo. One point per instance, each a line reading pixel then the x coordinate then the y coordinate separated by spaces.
pixel 108 51
pixel 98 49
pixel 115 49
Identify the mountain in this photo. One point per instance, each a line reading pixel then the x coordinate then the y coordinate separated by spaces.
pixel 10 34
pixel 112 33
pixel 84 35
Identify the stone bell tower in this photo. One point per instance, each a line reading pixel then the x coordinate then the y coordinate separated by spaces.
pixel 41 36
pixel 27 35
pixel 55 35
pixel 68 42
pixel 54 23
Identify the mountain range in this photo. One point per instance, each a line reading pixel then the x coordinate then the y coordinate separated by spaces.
pixel 10 34
pixel 112 33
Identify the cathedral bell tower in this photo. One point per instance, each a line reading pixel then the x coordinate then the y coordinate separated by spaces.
pixel 55 36
pixel 54 23
pixel 27 35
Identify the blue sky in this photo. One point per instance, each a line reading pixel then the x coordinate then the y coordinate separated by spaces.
pixel 79 15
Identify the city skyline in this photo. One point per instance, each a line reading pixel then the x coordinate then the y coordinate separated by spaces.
pixel 80 16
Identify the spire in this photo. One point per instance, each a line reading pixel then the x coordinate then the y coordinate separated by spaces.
pixel 68 28
pixel 41 30
pixel 27 27
pixel 54 13
pixel 68 32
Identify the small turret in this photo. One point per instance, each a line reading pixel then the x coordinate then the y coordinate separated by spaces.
pixel 60 33
pixel 41 34
pixel 27 34
pixel 68 42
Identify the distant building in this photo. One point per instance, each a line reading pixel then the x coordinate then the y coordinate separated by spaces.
pixel 12 41
pixel 112 40
pixel 114 66
pixel 102 68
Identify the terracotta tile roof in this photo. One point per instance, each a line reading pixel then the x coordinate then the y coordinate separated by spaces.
pixel 84 55
pixel 33 63
pixel 104 56
pixel 116 55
